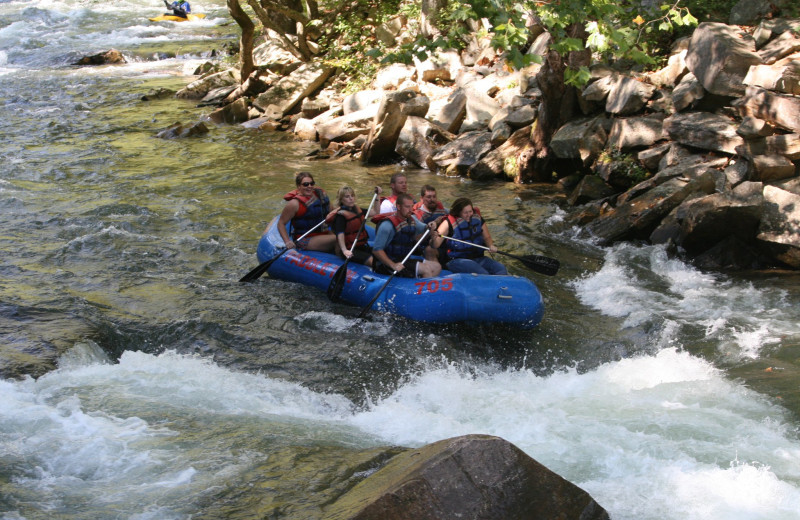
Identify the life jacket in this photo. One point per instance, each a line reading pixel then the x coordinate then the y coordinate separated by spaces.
pixel 469 231
pixel 392 199
pixel 404 232
pixel 353 217
pixel 422 213
pixel 310 213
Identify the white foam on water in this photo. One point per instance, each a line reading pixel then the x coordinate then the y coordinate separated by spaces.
pixel 652 437
pixel 660 437
pixel 741 318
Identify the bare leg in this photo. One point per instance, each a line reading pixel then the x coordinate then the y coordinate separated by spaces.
pixel 325 243
pixel 428 269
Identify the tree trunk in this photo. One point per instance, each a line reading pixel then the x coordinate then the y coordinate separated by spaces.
pixel 246 65
pixel 429 18
pixel 559 102
pixel 265 16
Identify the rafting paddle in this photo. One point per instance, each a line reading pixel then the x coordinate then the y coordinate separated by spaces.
pixel 540 264
pixel 339 277
pixel 256 273
pixel 366 307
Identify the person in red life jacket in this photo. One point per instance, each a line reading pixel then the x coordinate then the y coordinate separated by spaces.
pixel 429 208
pixel 465 223
pixel 395 236
pixel 346 221
pixel 399 184
pixel 307 206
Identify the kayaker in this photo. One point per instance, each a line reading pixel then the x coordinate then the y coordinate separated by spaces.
pixel 182 9
pixel 307 206
pixel 399 184
pixel 347 221
pixel 395 236
pixel 465 223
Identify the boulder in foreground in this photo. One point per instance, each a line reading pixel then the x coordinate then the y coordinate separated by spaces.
pixel 474 476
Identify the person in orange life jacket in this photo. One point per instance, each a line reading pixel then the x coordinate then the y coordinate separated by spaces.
pixel 346 221
pixel 465 223
pixel 395 236
pixel 399 184
pixel 307 206
pixel 179 8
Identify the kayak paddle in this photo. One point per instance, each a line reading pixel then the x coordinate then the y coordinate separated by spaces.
pixel 256 273
pixel 540 264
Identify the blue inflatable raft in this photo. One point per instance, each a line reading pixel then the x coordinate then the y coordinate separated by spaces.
pixel 448 298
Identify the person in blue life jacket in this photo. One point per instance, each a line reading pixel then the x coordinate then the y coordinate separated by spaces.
pixel 306 207
pixel 465 223
pixel 347 222
pixel 181 9
pixel 396 234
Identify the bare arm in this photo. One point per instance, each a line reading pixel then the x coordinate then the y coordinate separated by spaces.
pixel 443 230
pixel 288 213
pixel 487 239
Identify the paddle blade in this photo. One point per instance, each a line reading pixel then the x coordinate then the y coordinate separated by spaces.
pixel 542 264
pixel 256 273
pixel 337 283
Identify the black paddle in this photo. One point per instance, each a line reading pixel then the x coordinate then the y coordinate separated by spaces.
pixel 540 264
pixel 339 277
pixel 366 308
pixel 256 273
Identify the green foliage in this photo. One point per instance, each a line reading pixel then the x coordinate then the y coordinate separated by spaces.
pixel 349 41
pixel 615 29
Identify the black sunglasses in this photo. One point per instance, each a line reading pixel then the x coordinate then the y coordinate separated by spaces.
pixel 307 184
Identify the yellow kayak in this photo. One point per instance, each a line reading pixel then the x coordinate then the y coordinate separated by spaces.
pixel 173 18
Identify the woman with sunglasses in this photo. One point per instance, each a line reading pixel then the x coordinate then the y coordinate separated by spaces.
pixel 306 207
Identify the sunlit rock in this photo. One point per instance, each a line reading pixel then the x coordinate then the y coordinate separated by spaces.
pixel 479 477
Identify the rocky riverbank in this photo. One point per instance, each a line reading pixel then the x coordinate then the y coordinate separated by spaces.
pixel 702 155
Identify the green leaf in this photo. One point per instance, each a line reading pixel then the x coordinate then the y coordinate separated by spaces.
pixel 577 78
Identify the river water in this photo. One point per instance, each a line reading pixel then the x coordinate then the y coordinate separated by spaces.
pixel 665 392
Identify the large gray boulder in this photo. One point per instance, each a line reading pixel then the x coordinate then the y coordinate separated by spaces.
pixel 779 228
pixel 581 138
pixel 388 122
pixel 636 132
pixel 783 78
pixel 638 217
pixel 289 91
pixel 719 56
pixel 456 157
pixel 199 88
pixel 704 130
pixel 628 96
pixel 501 162
pixel 453 112
pixel 479 477
pixel 707 220
pixel 419 140
pixel 345 128
pixel 780 110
